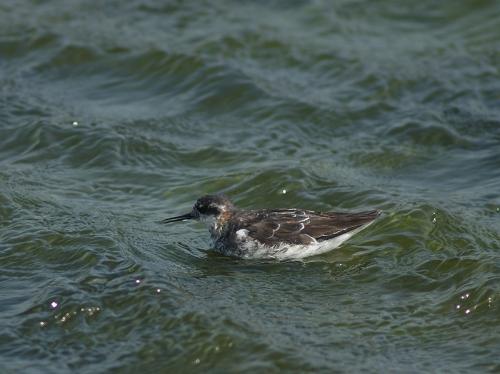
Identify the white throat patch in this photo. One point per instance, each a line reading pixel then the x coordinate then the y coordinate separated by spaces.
pixel 211 222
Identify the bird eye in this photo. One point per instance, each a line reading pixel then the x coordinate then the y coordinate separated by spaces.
pixel 207 209
pixel 212 209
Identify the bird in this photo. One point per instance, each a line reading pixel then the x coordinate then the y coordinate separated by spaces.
pixel 273 233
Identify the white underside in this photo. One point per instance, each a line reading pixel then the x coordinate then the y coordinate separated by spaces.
pixel 249 248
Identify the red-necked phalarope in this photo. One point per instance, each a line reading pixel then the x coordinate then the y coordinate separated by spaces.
pixel 274 233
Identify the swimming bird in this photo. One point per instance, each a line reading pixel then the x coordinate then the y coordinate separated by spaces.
pixel 274 233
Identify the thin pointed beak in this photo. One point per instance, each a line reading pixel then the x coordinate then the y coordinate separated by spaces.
pixel 184 217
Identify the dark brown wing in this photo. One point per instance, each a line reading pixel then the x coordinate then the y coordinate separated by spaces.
pixel 295 226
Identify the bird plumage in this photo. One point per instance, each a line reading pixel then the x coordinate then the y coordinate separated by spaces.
pixel 294 226
pixel 271 232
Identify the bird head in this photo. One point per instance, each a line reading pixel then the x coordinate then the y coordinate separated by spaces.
pixel 208 209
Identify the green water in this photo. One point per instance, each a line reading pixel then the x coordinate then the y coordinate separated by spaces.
pixel 116 114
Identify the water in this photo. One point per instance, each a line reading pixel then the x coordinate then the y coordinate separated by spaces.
pixel 114 115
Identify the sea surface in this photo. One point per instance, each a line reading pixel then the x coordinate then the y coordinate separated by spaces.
pixel 117 114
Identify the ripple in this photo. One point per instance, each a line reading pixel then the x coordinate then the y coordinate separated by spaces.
pixel 114 117
pixel 15 46
pixel 428 135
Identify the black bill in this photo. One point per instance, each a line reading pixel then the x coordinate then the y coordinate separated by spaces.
pixel 178 218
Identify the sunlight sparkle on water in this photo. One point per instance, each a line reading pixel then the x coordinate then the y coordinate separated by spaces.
pixel 67 316
pixel 90 311
pixel 54 304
